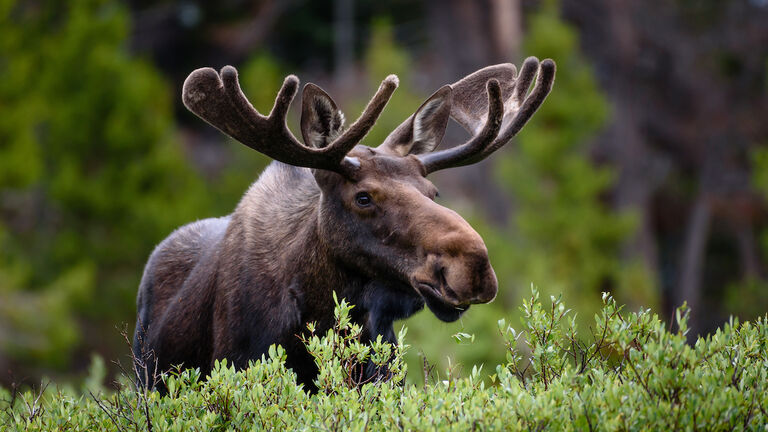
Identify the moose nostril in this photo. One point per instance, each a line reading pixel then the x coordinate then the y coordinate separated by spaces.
pixel 441 275
pixel 451 294
pixel 446 290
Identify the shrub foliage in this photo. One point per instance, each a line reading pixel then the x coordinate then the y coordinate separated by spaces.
pixel 630 373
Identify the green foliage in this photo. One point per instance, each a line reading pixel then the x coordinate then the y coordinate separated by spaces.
pixel 631 373
pixel 339 355
pixel 91 177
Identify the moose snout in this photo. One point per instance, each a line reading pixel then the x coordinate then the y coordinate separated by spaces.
pixel 459 279
pixel 455 268
pixel 469 278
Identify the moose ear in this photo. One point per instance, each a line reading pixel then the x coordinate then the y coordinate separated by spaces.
pixel 424 130
pixel 321 120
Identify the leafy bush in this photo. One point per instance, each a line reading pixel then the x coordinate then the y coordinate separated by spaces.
pixel 632 373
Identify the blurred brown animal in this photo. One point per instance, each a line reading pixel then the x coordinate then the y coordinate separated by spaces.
pixel 328 215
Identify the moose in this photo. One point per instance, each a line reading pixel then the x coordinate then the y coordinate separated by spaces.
pixel 329 215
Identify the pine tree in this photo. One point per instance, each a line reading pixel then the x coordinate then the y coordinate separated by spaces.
pixel 91 177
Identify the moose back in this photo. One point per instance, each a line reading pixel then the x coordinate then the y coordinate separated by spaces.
pixel 327 215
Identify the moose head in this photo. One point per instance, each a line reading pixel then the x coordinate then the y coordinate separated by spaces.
pixel 377 212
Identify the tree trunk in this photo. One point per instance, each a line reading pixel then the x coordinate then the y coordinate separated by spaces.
pixel 750 260
pixel 343 39
pixel 692 263
pixel 507 30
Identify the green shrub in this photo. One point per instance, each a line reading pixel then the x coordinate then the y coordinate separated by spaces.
pixel 631 373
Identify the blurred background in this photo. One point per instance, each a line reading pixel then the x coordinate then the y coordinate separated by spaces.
pixel 645 173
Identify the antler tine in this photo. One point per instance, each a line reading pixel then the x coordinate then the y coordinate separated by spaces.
pixel 456 156
pixel 360 128
pixel 519 110
pixel 219 100
pixel 524 80
pixel 231 84
pixel 284 98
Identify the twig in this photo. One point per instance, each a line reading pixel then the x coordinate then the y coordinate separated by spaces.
pixel 106 411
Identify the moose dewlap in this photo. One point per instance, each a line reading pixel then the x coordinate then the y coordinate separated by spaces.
pixel 328 215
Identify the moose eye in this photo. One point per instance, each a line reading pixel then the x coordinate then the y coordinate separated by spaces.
pixel 363 199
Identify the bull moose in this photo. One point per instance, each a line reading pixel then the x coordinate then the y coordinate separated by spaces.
pixel 328 215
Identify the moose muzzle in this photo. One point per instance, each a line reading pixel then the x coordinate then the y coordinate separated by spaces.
pixel 456 271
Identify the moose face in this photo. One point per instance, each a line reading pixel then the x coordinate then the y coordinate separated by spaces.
pixel 382 216
pixel 377 211
pixel 387 224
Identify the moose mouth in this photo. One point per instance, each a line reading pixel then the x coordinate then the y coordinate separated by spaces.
pixel 443 310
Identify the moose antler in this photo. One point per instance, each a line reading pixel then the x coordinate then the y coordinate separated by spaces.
pixel 508 110
pixel 218 99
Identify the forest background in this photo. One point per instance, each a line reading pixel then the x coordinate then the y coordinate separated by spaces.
pixel 645 173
